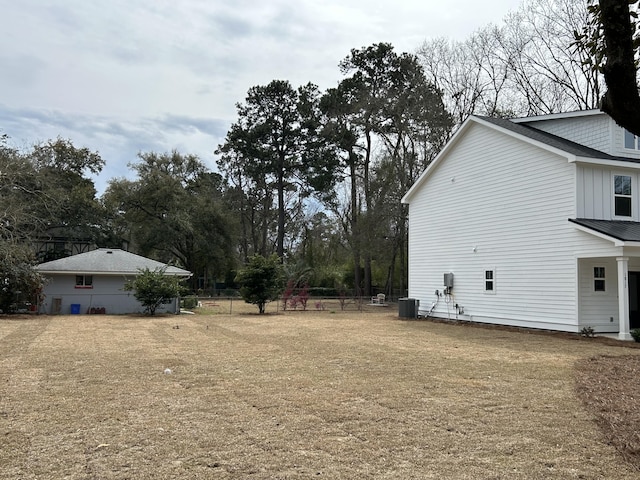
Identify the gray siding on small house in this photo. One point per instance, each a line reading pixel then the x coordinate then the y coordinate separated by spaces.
pixel 107 293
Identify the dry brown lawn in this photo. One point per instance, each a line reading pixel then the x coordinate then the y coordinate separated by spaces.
pixel 329 394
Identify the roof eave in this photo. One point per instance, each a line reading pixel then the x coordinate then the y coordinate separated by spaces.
pixel 607 162
pixel 112 274
pixel 556 116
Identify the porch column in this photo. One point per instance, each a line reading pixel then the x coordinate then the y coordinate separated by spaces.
pixel 623 298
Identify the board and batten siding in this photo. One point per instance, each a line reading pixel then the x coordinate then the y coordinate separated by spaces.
pixel 617 145
pixel 497 203
pixel 595 192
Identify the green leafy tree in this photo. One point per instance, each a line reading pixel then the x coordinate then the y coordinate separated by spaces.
pixel 67 199
pixel 275 154
pixel 385 104
pixel 46 192
pixel 175 211
pixel 153 288
pixel 261 280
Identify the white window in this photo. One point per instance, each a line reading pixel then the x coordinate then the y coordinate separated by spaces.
pixel 599 279
pixel 631 141
pixel 84 281
pixel 490 281
pixel 622 194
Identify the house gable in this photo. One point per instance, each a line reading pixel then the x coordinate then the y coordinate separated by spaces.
pixel 568 150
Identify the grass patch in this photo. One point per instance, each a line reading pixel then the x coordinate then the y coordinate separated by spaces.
pixel 342 395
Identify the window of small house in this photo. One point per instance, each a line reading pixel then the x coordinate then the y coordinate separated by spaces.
pixel 622 195
pixel 489 281
pixel 598 279
pixel 84 281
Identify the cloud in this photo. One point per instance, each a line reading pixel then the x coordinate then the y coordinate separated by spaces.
pixel 126 76
pixel 118 140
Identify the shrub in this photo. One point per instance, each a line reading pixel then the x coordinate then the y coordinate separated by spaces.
pixel 261 280
pixel 635 333
pixel 190 302
pixel 588 332
pixel 153 288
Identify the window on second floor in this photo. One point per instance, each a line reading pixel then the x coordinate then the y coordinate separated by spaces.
pixel 631 141
pixel 622 195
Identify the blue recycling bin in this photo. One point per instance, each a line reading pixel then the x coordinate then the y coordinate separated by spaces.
pixel 75 308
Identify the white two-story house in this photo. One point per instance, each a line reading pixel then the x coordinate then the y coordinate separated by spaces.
pixel 537 221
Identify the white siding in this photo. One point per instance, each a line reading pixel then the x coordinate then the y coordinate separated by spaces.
pixel 511 202
pixel 599 309
pixel 107 292
pixel 595 192
pixel 617 146
pixel 595 131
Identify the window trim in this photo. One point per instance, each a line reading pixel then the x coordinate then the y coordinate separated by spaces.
pixel 614 195
pixel 486 281
pixel 636 141
pixel 84 283
pixel 597 278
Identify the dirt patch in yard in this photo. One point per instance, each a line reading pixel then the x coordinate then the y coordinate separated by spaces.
pixel 322 394
pixel 608 386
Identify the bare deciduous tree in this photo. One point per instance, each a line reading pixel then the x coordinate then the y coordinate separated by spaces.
pixel 528 65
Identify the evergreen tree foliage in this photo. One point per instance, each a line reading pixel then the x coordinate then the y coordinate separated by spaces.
pixel 261 280
pixel 175 211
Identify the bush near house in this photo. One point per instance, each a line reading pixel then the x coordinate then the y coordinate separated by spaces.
pixel 153 288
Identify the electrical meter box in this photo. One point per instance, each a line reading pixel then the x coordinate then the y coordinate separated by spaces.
pixel 448 280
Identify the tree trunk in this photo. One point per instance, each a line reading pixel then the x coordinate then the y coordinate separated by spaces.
pixel 281 211
pixel 367 200
pixel 355 226
pixel 621 100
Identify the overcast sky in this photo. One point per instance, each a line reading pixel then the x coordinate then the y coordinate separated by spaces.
pixel 125 76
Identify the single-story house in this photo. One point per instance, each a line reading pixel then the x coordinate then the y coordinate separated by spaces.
pixel 531 222
pixel 93 282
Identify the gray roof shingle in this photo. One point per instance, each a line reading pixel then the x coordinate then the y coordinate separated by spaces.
pixel 560 143
pixel 107 261
pixel 621 230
